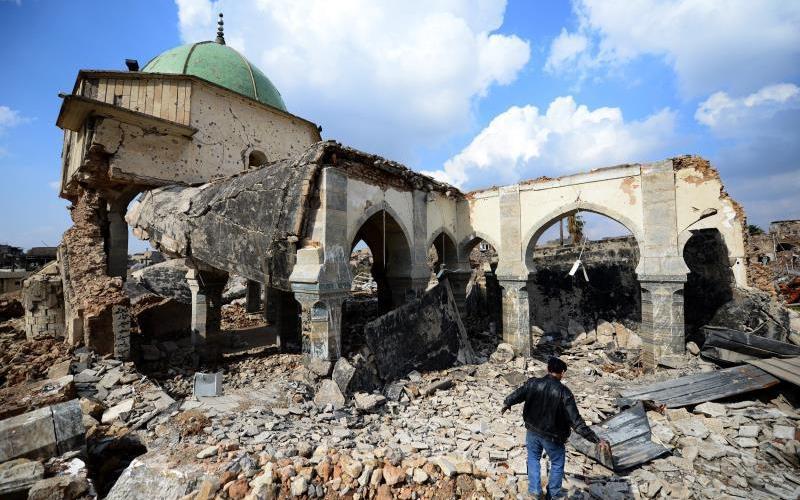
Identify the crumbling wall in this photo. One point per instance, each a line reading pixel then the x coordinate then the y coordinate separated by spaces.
pixel 43 301
pixel 424 334
pixel 98 306
pixel 612 292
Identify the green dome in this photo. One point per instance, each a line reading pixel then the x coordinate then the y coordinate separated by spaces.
pixel 218 64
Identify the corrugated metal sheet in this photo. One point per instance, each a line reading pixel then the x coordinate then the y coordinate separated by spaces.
pixel 628 433
pixel 787 369
pixel 702 387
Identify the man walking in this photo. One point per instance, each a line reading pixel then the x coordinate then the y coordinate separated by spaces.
pixel 549 412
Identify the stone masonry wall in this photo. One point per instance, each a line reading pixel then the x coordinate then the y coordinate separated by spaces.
pixel 612 292
pixel 43 298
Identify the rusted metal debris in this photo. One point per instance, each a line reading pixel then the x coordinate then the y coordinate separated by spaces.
pixel 700 388
pixel 628 433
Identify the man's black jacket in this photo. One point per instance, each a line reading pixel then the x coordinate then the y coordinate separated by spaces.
pixel 550 409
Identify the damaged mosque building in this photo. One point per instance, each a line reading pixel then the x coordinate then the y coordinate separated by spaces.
pixel 233 183
pixel 351 259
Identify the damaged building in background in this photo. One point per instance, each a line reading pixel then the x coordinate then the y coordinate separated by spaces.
pixel 371 270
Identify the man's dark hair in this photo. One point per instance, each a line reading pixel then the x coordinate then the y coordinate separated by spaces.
pixel 555 365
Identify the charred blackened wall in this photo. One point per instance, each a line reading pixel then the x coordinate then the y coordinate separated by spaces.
pixel 612 292
pixel 709 284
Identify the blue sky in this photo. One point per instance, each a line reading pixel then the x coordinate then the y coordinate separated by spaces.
pixel 476 92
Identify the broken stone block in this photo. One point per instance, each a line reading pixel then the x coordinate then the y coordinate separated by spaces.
pixel 368 402
pixel 711 409
pixel 59 370
pixel 21 398
pixel 17 476
pixel 120 411
pixel 59 487
pixel 329 393
pixel 43 433
pixel 321 367
pixel 605 332
pixel 693 427
pixel 342 374
pixel 784 432
pixel 503 354
pixel 207 384
pixel 424 334
pixel 155 475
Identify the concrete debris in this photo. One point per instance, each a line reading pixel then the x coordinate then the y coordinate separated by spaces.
pixel 43 433
pixel 18 475
pixel 207 384
pixel 19 399
pixel 423 334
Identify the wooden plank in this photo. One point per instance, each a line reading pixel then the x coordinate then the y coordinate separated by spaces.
pixel 116 97
pixel 134 95
pixel 166 92
pixel 126 94
pixel 173 101
pixel 187 104
pixel 179 103
pixel 159 89
pixel 102 85
pixel 148 97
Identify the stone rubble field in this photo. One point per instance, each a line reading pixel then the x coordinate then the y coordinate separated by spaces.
pixel 280 429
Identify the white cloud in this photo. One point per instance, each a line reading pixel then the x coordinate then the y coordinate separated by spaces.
pixel 728 115
pixel 382 75
pixel 524 143
pixel 10 118
pixel 734 45
pixel 565 49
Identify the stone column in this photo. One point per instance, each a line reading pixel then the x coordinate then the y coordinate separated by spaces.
pixel 206 287
pixel 663 334
pixel 321 324
pixel 253 304
pixel 516 315
pixel 117 242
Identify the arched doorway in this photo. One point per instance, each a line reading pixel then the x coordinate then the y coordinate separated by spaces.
pixel 391 257
pixel 709 283
pixel 601 294
pixel 483 298
pixel 442 256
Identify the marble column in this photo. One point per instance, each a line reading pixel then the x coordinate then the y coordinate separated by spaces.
pixel 206 287
pixel 663 333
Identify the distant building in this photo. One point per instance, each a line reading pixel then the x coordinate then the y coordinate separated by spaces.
pixel 11 257
pixel 11 279
pixel 37 257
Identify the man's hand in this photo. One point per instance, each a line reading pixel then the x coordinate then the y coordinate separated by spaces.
pixel 604 446
pixel 504 409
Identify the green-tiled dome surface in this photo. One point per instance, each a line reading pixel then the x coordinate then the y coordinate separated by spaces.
pixel 218 64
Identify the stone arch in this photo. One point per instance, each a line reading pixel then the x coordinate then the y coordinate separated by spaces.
pixel 446 249
pixel 371 211
pixel 391 255
pixel 256 158
pixel 472 239
pixel 543 223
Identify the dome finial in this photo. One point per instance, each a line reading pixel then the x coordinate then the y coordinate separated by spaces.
pixel 220 34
